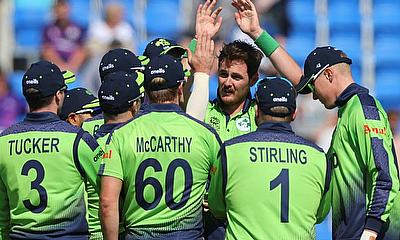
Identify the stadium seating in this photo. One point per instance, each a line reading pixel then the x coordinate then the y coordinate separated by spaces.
pixel 162 18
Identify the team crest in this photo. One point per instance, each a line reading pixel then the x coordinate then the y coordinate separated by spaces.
pixel 214 122
pixel 243 124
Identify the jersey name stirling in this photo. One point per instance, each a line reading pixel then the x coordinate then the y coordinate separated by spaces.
pixel 164 170
pixel 270 175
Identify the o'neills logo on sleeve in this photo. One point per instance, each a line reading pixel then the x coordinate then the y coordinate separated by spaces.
pixel 32 81
pixel 368 129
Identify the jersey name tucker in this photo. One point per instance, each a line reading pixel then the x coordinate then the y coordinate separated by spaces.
pixel 277 155
pixel 164 144
pixel 33 145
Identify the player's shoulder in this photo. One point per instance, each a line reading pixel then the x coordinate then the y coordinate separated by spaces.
pixel 50 127
pixel 272 136
pixel 95 118
pixel 200 125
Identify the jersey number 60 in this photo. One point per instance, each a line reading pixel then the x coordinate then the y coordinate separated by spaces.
pixel 141 183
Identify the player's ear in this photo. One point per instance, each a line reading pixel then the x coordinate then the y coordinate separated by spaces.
pixel 294 115
pixel 73 119
pixel 253 79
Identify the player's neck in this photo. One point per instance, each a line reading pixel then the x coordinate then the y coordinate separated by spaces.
pixel 120 118
pixel 232 109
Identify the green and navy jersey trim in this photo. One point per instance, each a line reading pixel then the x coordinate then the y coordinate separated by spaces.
pixel 273 132
pixel 41 121
pixel 105 129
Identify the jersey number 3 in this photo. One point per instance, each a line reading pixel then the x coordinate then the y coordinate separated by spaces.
pixel 35 184
pixel 283 180
pixel 141 183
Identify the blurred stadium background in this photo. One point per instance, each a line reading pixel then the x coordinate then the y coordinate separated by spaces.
pixel 367 30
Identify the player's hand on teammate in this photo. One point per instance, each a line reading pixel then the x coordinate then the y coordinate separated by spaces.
pixel 203 58
pixel 208 20
pixel 247 18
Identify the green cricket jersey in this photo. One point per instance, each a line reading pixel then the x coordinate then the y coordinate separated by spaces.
pixel 163 156
pixel 228 127
pixel 364 179
pixel 93 197
pixel 92 124
pixel 43 167
pixel 270 184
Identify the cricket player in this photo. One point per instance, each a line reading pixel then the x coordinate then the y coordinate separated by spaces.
pixel 271 183
pixel 158 163
pixel 44 164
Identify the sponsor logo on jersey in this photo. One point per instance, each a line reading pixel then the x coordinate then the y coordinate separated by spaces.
pixel 32 81
pixel 281 99
pixel 368 129
pixel 109 66
pixel 107 154
pixel 158 71
pixel 98 156
pixel 243 124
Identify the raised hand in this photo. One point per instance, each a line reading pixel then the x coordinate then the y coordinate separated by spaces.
pixel 208 20
pixel 203 58
pixel 247 18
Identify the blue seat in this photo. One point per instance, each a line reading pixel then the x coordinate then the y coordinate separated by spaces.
pixel 15 81
pixel 299 46
pixel 29 38
pixel 302 14
pixel 387 51
pixel 349 44
pixel 79 12
pixel 386 83
pixel 344 16
pixel 386 18
pixel 162 18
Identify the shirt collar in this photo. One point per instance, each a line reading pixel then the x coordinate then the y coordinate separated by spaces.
pixel 161 107
pixel 275 126
pixel 349 92
pixel 42 117
pixel 106 129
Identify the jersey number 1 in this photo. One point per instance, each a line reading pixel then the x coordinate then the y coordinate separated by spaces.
pixel 283 180
pixel 35 184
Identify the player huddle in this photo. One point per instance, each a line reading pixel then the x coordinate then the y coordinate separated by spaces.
pixel 131 164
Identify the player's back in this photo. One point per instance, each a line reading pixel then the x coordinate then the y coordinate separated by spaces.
pixel 166 157
pixel 275 181
pixel 39 169
pixel 91 125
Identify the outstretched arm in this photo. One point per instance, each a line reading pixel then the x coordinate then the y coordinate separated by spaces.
pixel 247 19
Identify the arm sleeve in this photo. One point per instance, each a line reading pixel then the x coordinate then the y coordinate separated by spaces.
pixel 373 136
pixel 216 193
pixel 112 165
pixel 198 100
pixel 326 199
pixel 263 42
pixel 88 154
pixel 4 212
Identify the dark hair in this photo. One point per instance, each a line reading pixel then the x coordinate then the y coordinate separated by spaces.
pixel 160 96
pixel 35 101
pixel 241 50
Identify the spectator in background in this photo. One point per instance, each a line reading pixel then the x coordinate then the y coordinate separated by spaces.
pixel 111 32
pixel 104 35
pixel 11 108
pixel 63 40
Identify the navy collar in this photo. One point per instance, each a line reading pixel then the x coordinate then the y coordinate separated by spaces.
pixel 42 117
pixel 106 129
pixel 275 126
pixel 246 105
pixel 161 107
pixel 349 92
